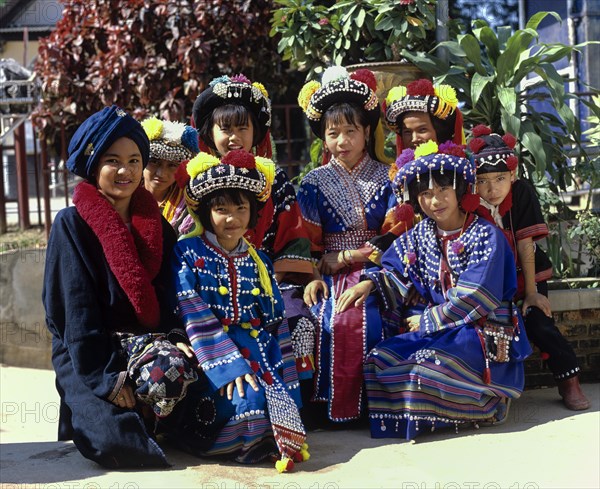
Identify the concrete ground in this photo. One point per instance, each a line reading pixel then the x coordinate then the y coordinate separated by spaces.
pixel 542 445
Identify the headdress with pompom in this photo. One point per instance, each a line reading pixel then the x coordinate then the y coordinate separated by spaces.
pixel 236 170
pixel 427 158
pixel 422 95
pixel 236 90
pixel 339 86
pixel 492 152
pixel 169 140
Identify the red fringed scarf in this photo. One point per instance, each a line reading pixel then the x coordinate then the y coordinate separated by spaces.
pixel 134 257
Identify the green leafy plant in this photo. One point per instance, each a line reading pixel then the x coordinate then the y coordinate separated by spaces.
pixel 500 75
pixel 315 34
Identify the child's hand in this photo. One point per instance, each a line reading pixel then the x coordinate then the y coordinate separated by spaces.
pixel 537 300
pixel 354 296
pixel 238 383
pixel 331 263
pixel 413 322
pixel 125 399
pixel 312 290
pixel 186 349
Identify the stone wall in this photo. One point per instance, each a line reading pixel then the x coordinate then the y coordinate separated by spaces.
pixel 577 315
pixel 25 341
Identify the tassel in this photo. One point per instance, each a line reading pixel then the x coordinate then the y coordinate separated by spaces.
pixel 487 375
pixel 263 274
pixel 406 195
pixel 430 180
pixel 454 182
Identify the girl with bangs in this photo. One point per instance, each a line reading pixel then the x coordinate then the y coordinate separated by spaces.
pixel 344 204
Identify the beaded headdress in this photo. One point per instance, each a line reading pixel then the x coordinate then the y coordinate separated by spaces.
pixel 236 90
pixel 438 101
pixel 492 152
pixel 339 86
pixel 429 157
pixel 238 169
pixel 172 141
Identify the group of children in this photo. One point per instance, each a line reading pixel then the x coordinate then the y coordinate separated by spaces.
pixel 270 299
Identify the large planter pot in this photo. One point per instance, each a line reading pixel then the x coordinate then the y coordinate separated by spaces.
pixel 390 74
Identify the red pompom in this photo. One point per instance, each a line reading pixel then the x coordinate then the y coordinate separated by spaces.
pixel 225 321
pixel 512 162
pixel 476 144
pixel 254 366
pixel 365 76
pixel 239 158
pixel 509 140
pixel 470 202
pixel 420 87
pixel 405 212
pixel 481 130
pixel 298 457
pixel 544 355
pixel 199 263
pixel 268 378
pixel 245 352
pixel 255 321
pixel 181 175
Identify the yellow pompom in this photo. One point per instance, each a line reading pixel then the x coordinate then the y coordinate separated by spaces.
pixel 307 92
pixel 266 167
pixel 305 455
pixel 428 148
pixel 446 94
pixel 447 101
pixel 254 333
pixel 153 127
pixel 395 93
pixel 255 291
pixel 246 325
pixel 223 290
pixel 262 88
pixel 284 465
pixel 226 328
pixel 200 163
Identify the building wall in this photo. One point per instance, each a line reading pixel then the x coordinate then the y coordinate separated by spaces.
pixel 16 50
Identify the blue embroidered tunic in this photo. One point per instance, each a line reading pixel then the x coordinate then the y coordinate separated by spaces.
pixel 236 329
pixel 342 210
pixel 437 375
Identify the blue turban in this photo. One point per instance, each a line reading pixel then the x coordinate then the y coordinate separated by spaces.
pixel 97 133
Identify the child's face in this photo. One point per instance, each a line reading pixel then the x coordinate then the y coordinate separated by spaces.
pixel 417 128
pixel 228 138
pixel 230 222
pixel 441 205
pixel 494 187
pixel 119 171
pixel 346 142
pixel 159 175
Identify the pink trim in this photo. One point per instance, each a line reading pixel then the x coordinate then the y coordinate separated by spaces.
pixel 537 231
pixel 134 257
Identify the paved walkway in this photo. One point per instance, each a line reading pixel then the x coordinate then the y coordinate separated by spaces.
pixel 542 445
